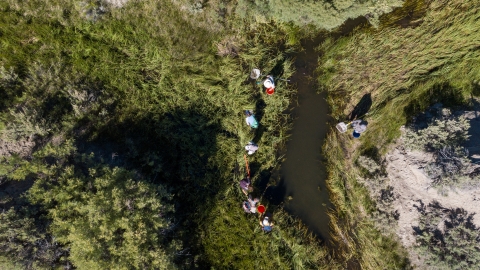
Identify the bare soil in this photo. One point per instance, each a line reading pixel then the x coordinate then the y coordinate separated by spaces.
pixel 23 147
pixel 411 186
pixel 117 3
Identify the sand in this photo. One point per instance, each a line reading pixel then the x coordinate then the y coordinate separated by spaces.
pixel 411 185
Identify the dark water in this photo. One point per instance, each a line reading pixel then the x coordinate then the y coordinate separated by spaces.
pixel 301 179
pixel 303 173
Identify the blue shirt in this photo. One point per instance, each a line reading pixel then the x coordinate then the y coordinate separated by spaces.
pixel 251 121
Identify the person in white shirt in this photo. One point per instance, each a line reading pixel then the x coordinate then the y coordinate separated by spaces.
pixel 251 147
pixel 359 126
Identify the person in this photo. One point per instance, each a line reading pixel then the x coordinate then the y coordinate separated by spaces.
pixel 251 147
pixel 246 206
pixel 250 119
pixel 245 185
pixel 359 126
pixel 266 224
pixel 269 84
pixel 250 205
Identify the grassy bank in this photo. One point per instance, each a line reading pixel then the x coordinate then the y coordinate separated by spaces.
pixel 401 69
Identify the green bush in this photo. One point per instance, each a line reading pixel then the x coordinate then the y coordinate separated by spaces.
pixel 24 239
pixel 108 218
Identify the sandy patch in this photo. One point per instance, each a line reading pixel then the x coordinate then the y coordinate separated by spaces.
pixel 117 3
pixel 411 185
pixel 23 148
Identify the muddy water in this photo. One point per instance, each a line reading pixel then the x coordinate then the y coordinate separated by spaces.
pixel 303 174
pixel 301 181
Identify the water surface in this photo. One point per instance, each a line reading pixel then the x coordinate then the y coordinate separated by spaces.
pixel 301 182
pixel 303 174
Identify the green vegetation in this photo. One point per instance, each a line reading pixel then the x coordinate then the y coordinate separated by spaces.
pixel 414 67
pixel 442 132
pixel 27 238
pixel 447 238
pixel 326 14
pixel 128 122
pixel 124 127
pixel 405 66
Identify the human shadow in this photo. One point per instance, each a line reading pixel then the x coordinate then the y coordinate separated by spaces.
pixel 362 107
pixel 259 109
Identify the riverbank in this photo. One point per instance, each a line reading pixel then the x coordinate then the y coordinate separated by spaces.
pixel 403 81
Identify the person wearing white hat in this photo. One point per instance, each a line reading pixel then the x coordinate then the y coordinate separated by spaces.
pixel 269 84
pixel 266 224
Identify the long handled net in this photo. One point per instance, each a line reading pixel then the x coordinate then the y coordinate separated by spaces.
pixel 342 127
pixel 246 165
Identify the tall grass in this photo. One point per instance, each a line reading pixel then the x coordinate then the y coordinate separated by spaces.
pixel 405 67
pixel 407 63
pixel 144 88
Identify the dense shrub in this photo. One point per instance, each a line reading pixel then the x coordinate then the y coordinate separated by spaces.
pixel 448 238
pixel 24 239
pixel 442 132
pixel 443 137
pixel 125 215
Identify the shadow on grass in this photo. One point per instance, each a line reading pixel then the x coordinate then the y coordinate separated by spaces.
pixel 174 149
pixel 362 107
pixel 443 93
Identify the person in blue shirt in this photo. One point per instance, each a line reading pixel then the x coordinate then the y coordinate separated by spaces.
pixel 266 224
pixel 250 119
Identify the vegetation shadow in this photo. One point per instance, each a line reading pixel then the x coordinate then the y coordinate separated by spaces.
pixel 174 150
pixel 276 194
pixel 476 88
pixel 443 93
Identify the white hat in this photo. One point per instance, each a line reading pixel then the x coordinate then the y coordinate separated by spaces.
pixel 266 222
pixel 268 84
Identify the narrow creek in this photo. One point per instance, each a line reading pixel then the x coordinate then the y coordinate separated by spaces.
pixel 303 172
pixel 301 184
